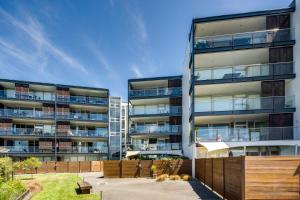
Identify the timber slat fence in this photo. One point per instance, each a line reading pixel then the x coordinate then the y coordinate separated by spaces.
pixel 142 168
pixel 65 167
pixel 249 178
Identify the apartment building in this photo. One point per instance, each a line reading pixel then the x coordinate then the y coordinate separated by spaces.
pixel 53 122
pixel 240 85
pixel 155 116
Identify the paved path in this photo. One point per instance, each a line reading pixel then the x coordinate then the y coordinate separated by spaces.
pixel 148 189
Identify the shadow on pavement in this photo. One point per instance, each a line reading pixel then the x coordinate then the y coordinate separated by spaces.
pixel 203 192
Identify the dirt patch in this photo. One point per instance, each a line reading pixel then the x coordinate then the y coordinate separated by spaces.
pixel 34 186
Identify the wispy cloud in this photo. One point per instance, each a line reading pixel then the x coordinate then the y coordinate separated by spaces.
pixel 34 30
pixel 140 26
pixel 136 70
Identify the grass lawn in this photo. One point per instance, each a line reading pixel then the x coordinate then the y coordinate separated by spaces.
pixel 60 187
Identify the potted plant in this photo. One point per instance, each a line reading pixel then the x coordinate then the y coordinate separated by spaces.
pixel 154 171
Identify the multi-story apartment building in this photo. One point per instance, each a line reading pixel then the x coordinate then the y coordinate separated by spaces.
pixel 155 116
pixel 240 84
pixel 53 122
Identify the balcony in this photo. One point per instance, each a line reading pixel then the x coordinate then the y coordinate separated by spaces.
pixel 155 129
pixel 26 132
pixel 82 116
pixel 20 113
pixel 246 134
pixel 245 72
pixel 32 96
pixel 36 149
pixel 241 40
pixel 82 100
pixel 172 110
pixel 229 105
pixel 155 92
pixel 155 147
pixel 82 133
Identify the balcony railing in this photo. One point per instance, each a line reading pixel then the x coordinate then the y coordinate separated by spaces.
pixel 82 133
pixel 26 132
pixel 247 103
pixel 82 116
pixel 82 100
pixel 36 149
pixel 246 134
pixel 245 71
pixel 155 147
pixel 155 129
pixel 156 111
pixel 20 113
pixel 244 39
pixel 155 92
pixel 12 94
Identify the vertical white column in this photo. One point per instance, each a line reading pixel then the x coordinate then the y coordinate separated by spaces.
pixel 194 155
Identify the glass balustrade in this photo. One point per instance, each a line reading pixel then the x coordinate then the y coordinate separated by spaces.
pixel 20 113
pixel 247 103
pixel 155 110
pixel 156 147
pixel 155 92
pixel 82 100
pixel 245 71
pixel 148 129
pixel 36 149
pixel 35 96
pixel 82 116
pixel 244 39
pixel 204 134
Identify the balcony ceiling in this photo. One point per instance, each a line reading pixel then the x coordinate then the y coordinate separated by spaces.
pixel 228 89
pixel 230 118
pixel 150 101
pixel 149 84
pixel 232 58
pixel 231 26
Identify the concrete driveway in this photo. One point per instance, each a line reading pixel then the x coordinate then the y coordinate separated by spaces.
pixel 148 189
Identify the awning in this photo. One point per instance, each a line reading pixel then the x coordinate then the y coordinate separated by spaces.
pixel 213 146
pixel 132 153
pixel 3 150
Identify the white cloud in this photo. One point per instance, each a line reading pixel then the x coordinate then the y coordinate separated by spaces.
pixel 33 29
pixel 136 70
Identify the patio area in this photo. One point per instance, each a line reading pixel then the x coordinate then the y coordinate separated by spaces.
pixel 147 189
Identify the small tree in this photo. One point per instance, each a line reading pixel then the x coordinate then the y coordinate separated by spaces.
pixel 5 169
pixel 31 163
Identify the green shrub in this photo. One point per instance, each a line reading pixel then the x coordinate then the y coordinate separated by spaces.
pixel 5 169
pixel 10 190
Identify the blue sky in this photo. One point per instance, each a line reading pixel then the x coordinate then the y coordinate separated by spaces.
pixel 103 43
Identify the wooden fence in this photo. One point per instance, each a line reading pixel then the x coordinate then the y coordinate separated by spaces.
pixel 66 167
pixel 142 168
pixel 249 178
